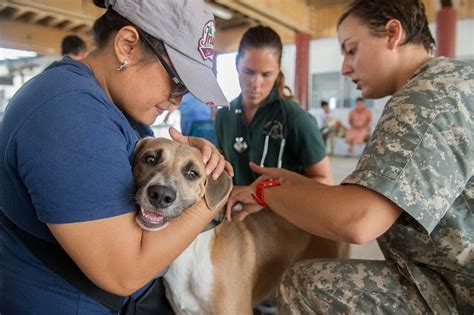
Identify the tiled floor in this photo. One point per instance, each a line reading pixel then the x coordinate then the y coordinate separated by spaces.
pixel 342 167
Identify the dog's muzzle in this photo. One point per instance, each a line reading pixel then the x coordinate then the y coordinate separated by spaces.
pixel 159 197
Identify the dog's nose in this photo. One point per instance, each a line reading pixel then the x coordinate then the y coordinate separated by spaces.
pixel 161 196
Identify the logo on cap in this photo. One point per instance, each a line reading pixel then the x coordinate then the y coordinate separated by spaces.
pixel 206 42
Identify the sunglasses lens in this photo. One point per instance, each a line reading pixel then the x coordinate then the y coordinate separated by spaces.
pixel 180 91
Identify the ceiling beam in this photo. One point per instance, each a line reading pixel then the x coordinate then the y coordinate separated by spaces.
pixel 287 34
pixel 295 14
pixel 70 9
pixel 41 39
pixel 227 40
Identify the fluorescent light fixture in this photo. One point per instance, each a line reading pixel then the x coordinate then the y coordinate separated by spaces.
pixel 11 54
pixel 220 11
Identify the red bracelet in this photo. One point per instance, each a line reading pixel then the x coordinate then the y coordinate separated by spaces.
pixel 258 195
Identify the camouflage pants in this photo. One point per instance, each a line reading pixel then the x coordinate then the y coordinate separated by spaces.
pixel 348 287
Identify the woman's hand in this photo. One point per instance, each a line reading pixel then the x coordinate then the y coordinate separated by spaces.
pixel 286 177
pixel 212 158
pixel 242 195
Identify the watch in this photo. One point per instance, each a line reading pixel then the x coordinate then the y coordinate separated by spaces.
pixel 258 195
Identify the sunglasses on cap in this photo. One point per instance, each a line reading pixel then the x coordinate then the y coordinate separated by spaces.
pixel 180 87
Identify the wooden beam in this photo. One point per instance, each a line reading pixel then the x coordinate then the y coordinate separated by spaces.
pixel 287 34
pixel 70 9
pixel 228 40
pixel 18 13
pixel 41 39
pixel 324 20
pixel 466 9
pixel 322 3
pixel 294 14
pixel 38 17
pixel 72 25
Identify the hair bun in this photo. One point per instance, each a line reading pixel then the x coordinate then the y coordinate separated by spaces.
pixel 100 3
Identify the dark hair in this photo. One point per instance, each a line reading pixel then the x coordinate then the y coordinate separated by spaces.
pixel 411 14
pixel 324 103
pixel 72 44
pixel 264 37
pixel 111 22
pixel 360 99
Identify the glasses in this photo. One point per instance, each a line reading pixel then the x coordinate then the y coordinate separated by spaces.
pixel 180 89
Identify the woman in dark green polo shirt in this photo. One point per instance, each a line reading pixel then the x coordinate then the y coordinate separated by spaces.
pixel 264 124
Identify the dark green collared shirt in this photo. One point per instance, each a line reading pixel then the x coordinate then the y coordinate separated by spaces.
pixel 304 145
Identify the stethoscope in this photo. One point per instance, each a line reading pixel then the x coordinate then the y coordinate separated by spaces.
pixel 272 128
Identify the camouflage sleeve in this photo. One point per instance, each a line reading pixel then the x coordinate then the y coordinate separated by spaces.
pixel 420 155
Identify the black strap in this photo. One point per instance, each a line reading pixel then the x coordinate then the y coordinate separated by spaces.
pixel 151 302
pixel 54 256
pixel 215 222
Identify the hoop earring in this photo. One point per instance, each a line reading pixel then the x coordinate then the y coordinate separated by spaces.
pixel 123 65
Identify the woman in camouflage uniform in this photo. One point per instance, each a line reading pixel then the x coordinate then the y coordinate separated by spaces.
pixel 412 190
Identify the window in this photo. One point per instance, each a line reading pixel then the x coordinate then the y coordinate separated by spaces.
pixel 333 87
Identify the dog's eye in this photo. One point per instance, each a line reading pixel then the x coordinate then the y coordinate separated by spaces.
pixel 150 159
pixel 192 174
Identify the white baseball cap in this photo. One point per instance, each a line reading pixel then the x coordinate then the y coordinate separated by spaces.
pixel 187 30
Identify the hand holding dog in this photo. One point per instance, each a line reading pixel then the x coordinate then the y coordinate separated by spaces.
pixel 243 194
pixel 286 177
pixel 212 158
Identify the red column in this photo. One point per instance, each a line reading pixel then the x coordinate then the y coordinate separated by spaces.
pixel 302 41
pixel 446 32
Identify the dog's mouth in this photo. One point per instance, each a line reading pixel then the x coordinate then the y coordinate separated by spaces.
pixel 150 220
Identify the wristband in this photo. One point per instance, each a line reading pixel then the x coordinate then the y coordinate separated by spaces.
pixel 258 195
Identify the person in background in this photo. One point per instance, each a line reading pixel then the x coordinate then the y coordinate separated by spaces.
pixel 196 118
pixel 264 124
pixel 412 189
pixel 66 182
pixel 191 110
pixel 73 47
pixel 329 127
pixel 360 120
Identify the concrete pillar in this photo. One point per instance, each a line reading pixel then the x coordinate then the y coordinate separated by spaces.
pixel 446 30
pixel 302 41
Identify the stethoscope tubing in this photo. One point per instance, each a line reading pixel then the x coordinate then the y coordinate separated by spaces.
pixel 239 139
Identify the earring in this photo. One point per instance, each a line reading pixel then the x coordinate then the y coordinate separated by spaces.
pixel 123 65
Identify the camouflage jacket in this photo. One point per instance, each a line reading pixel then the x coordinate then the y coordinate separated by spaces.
pixel 421 157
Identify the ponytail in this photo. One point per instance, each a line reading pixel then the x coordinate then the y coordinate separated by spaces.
pixel 284 92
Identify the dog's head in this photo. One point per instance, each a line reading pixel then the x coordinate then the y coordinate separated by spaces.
pixel 170 177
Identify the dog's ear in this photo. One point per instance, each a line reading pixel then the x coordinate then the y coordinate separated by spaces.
pixel 217 190
pixel 138 147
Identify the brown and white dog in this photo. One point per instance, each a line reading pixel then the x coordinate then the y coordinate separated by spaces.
pixel 228 269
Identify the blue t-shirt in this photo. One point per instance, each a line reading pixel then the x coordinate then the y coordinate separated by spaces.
pixel 65 153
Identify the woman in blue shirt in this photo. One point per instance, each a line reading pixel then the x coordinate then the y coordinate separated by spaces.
pixel 67 141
